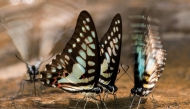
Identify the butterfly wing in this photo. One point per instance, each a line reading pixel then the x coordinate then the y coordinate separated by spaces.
pixel 77 67
pixel 155 59
pixel 110 46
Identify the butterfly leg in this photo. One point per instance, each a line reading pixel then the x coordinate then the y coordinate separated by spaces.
pixel 102 102
pixel 86 102
pixel 40 93
pixel 78 102
pixel 105 95
pixel 21 87
pixel 132 102
pixel 130 97
pixel 152 99
pixel 34 88
pixel 139 102
pixel 42 88
pixel 116 102
pixel 97 102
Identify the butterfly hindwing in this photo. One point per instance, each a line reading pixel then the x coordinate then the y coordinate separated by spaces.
pixel 76 68
pixel 110 47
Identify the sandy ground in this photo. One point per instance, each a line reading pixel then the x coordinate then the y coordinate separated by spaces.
pixel 171 92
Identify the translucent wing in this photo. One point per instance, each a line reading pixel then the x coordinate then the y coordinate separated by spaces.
pixel 110 46
pixel 56 19
pixel 155 59
pixel 77 67
pixel 35 28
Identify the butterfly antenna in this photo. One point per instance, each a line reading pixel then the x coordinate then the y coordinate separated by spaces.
pixel 126 71
pixel 123 73
pixel 116 101
pixel 39 63
pixel 48 58
pixel 21 60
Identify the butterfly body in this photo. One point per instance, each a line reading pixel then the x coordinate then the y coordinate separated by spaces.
pixel 32 71
pixel 109 89
pixel 93 92
pixel 31 76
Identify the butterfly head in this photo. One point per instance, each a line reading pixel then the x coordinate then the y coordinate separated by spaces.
pixel 33 70
pixel 140 91
pixel 98 90
pixel 112 89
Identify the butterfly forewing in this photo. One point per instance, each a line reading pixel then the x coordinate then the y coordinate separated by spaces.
pixel 77 67
pixel 110 47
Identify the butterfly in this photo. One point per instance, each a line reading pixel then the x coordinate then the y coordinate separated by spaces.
pixel 31 76
pixel 77 68
pixel 149 57
pixel 31 36
pixel 110 49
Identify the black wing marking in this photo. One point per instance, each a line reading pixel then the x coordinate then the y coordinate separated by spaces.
pixel 77 68
pixel 110 46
